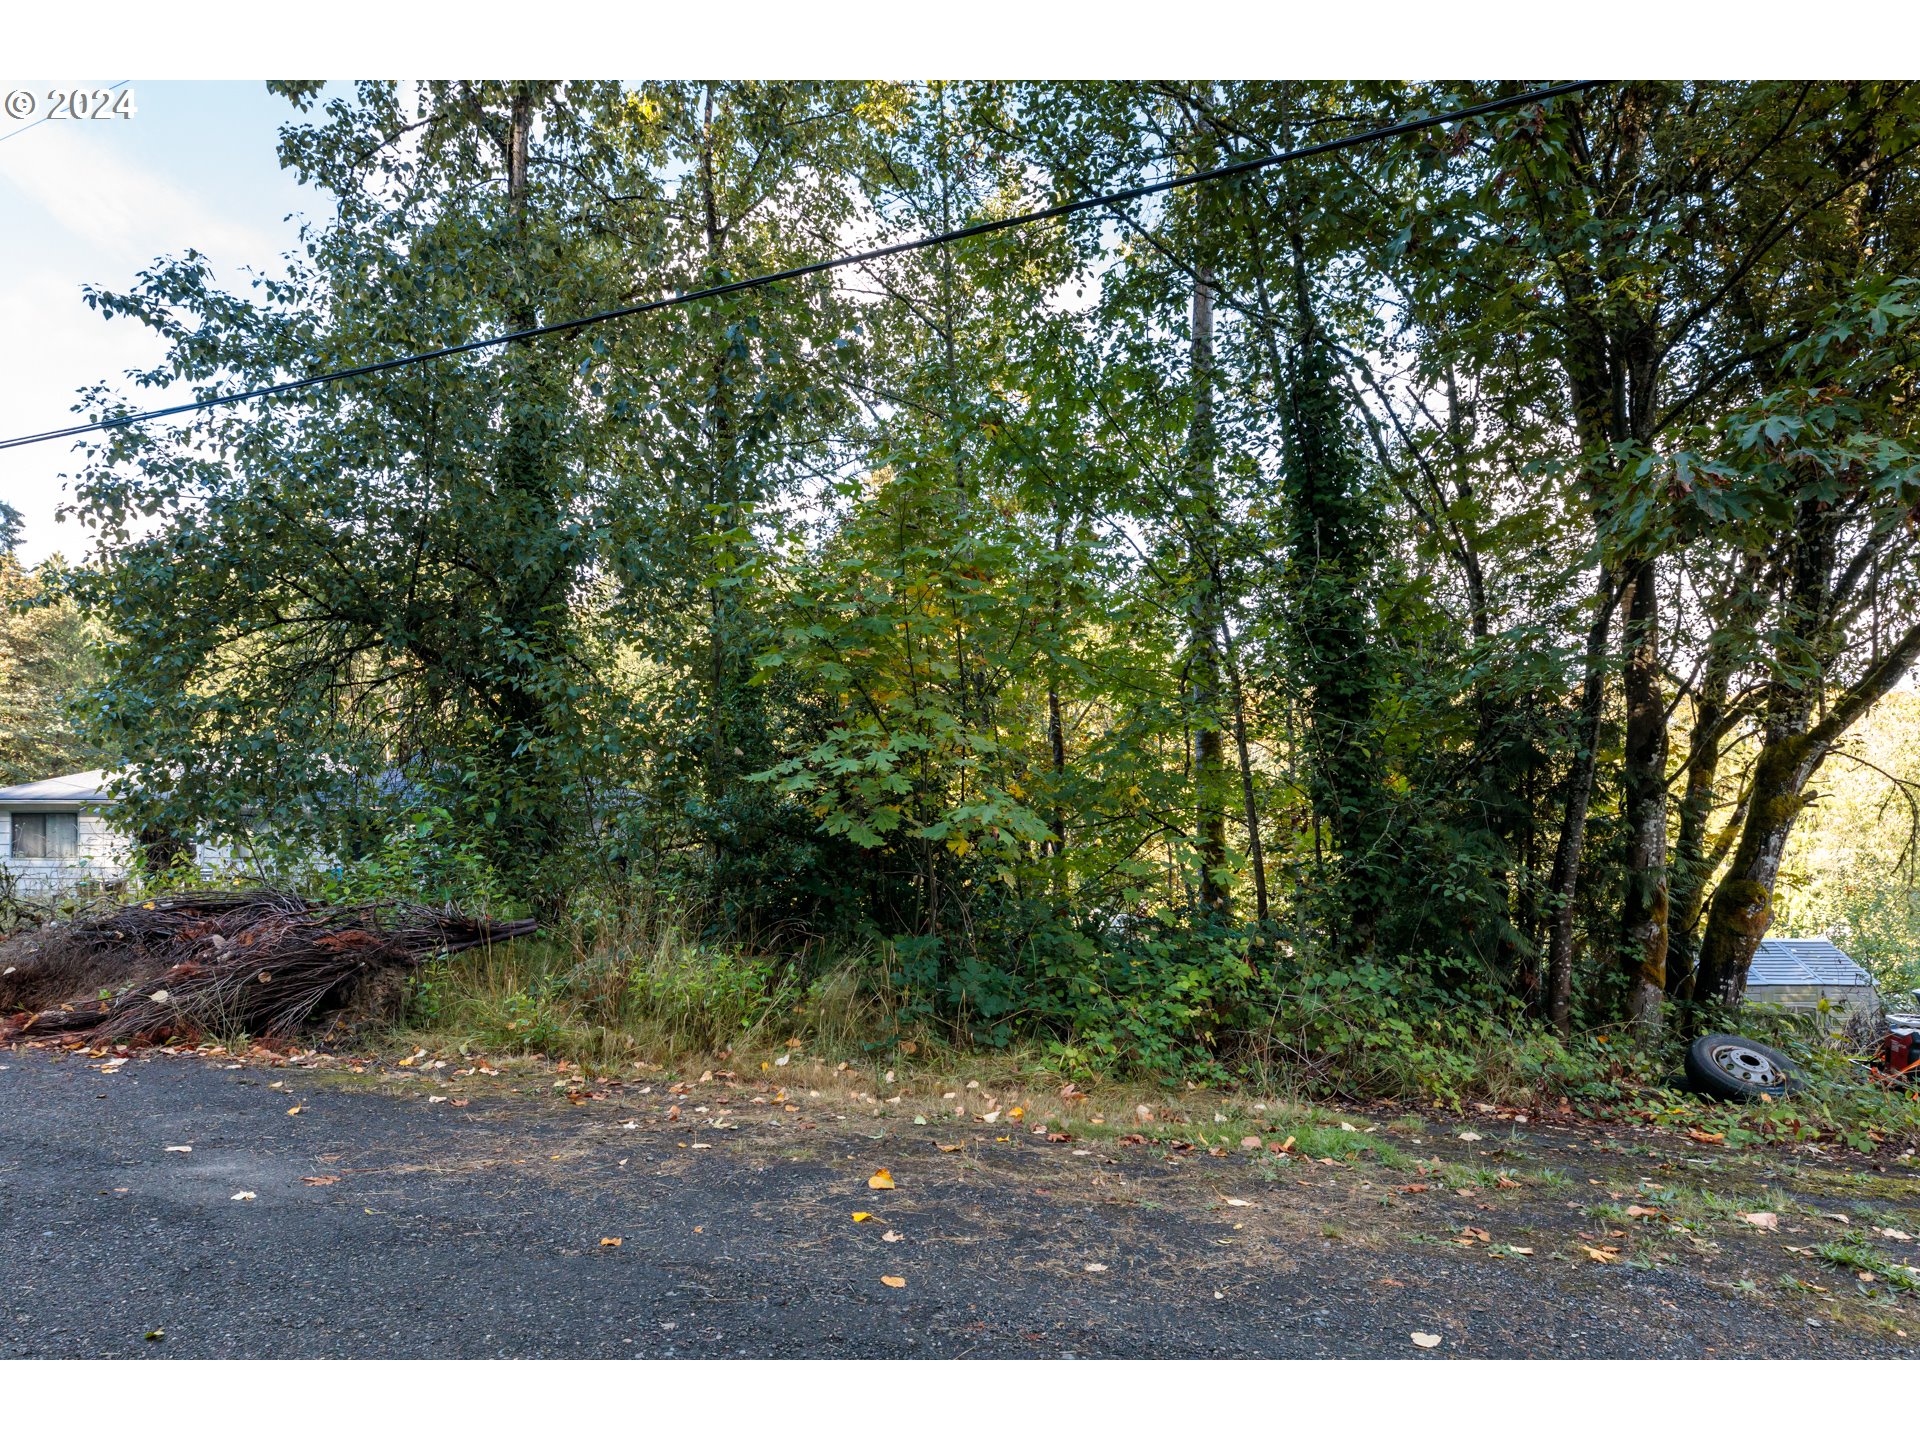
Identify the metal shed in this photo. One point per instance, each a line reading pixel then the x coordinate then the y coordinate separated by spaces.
pixel 1797 975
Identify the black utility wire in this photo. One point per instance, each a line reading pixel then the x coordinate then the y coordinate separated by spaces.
pixel 818 267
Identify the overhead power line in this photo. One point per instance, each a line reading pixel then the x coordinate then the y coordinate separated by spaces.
pixel 820 267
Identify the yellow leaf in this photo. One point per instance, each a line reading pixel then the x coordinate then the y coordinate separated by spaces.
pixel 612 1241
pixel 949 1149
pixel 294 1111
pixel 1015 1113
pixel 859 1216
pixel 1602 1255
pixel 880 1180
pixel 893 1282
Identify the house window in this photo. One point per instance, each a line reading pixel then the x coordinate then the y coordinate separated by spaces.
pixel 47 836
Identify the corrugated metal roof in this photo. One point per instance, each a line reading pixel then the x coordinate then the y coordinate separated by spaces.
pixel 87 787
pixel 1803 962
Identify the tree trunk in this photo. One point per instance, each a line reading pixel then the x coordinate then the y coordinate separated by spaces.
pixel 1564 880
pixel 1694 859
pixel 1742 905
pixel 1644 917
pixel 1203 660
pixel 1256 852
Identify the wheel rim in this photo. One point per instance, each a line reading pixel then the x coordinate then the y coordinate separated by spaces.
pixel 1743 1062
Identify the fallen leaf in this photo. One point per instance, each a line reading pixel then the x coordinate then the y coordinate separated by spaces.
pixel 1469 1136
pixel 1250 1142
pixel 1281 1147
pixel 1837 1218
pixel 1519 1249
pixel 180 1149
pixel 612 1241
pixel 1414 1189
pixel 1424 1340
pixel 991 1116
pixel 861 1217
pixel 1762 1219
pixel 1482 1236
pixel 244 1195
pixel 1015 1113
pixel 880 1180
pixel 1636 1212
pixel 1094 1267
pixel 294 1111
pixel 320 1179
pixel 1603 1254
pixel 1706 1137
pixel 1236 1201
pixel 893 1282
pixel 949 1149
pixel 156 1335
pixel 893 1237
pixel 1892 1234
pixel 783 1060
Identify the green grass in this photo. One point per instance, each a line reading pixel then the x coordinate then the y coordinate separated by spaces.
pixel 1857 1255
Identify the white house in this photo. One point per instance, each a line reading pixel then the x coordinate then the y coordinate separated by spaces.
pixel 58 835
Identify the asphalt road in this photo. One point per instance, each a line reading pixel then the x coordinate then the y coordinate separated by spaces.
pixel 476 1231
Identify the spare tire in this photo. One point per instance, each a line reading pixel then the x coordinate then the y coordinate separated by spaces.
pixel 1732 1067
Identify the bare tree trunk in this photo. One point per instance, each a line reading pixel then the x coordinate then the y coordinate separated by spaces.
pixel 1742 905
pixel 1644 917
pixel 1256 852
pixel 1564 880
pixel 1209 767
pixel 1694 859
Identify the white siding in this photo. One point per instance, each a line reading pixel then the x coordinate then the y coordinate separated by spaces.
pixel 103 856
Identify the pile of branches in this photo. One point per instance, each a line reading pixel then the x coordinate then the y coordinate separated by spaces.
pixel 258 962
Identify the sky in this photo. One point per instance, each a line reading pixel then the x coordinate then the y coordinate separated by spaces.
pixel 93 202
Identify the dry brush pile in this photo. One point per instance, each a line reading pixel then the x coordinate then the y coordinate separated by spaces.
pixel 255 962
